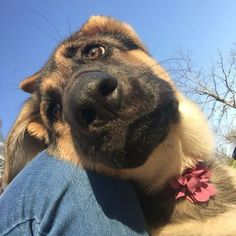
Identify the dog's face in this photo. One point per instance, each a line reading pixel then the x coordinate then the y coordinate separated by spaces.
pixel 100 97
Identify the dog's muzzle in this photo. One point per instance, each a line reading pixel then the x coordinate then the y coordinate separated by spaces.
pixel 92 99
pixel 118 122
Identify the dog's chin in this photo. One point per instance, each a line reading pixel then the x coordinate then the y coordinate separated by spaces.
pixel 122 144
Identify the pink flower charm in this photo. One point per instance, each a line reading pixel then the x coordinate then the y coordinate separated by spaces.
pixel 194 184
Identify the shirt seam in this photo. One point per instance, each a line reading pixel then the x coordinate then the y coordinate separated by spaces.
pixel 19 223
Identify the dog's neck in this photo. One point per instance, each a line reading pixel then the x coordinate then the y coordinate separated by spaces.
pixel 167 161
pixel 163 207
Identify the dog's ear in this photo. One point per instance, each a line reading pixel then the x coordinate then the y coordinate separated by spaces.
pixel 29 84
pixel 103 24
pixel 26 139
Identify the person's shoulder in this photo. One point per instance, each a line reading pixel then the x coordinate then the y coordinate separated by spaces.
pixel 45 176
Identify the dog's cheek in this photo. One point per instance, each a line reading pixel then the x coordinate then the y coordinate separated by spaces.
pixel 140 59
pixel 61 144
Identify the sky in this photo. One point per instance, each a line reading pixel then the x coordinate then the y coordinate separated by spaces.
pixel 30 30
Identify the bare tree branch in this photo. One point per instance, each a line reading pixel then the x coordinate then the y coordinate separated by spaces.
pixel 214 89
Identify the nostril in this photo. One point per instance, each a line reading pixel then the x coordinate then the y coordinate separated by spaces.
pixel 108 86
pixel 88 115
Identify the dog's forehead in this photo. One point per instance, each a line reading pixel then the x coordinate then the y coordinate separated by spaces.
pixel 100 27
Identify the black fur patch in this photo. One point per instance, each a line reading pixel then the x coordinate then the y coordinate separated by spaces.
pixel 124 40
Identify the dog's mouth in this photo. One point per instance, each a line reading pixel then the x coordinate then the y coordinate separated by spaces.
pixel 116 129
pixel 89 115
pixel 94 119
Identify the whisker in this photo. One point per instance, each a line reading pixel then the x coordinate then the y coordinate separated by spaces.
pixel 69 25
pixel 43 31
pixel 7 89
pixel 46 19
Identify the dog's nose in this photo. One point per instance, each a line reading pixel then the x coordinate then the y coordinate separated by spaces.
pixel 90 98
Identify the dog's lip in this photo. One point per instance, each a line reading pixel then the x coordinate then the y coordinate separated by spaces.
pixel 98 123
pixel 98 128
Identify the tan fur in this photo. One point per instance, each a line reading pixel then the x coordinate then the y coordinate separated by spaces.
pixel 17 152
pixel 65 149
pixel 140 57
pixel 38 131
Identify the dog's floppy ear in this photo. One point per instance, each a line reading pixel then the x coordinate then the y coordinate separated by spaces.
pixel 27 137
pixel 29 84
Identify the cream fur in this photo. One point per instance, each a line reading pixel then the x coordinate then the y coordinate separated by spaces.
pixel 223 225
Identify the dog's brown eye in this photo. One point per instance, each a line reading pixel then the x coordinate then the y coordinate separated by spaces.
pixel 53 111
pixel 94 52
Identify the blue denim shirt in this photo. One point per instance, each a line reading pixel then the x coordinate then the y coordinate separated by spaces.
pixel 53 197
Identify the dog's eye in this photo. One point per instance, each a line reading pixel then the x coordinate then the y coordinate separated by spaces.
pixel 94 52
pixel 53 111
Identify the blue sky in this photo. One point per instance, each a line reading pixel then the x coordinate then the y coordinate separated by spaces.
pixel 28 35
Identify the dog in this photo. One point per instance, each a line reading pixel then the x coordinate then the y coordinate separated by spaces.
pixel 102 102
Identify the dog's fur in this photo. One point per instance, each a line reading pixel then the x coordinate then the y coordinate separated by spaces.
pixel 148 131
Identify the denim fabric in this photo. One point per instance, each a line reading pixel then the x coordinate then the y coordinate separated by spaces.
pixel 53 197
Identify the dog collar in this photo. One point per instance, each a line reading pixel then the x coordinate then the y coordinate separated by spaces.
pixel 194 184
